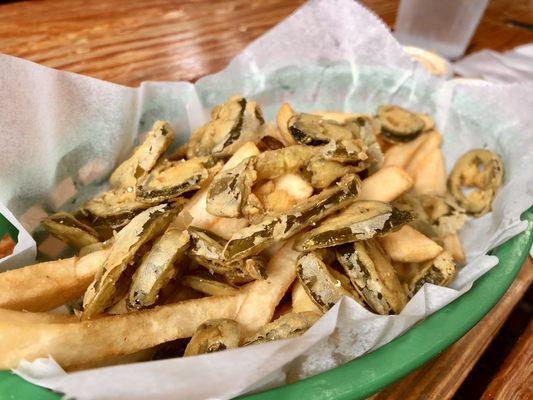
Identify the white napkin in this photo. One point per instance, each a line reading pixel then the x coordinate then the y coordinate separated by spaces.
pixel 511 66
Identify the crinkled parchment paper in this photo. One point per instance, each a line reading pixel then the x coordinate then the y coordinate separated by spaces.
pixel 63 133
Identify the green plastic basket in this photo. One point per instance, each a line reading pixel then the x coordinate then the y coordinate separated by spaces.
pixel 368 374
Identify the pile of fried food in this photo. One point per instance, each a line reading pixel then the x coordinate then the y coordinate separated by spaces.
pixel 247 233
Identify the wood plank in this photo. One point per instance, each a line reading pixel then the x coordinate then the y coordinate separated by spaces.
pixel 127 42
pixel 440 378
pixel 514 380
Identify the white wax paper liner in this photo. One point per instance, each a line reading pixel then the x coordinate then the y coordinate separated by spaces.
pixel 66 132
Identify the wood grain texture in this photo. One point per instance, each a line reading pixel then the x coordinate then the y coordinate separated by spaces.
pixel 514 380
pixel 127 42
pixel 130 41
pixel 440 378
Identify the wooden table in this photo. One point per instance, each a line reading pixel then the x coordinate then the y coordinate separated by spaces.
pixel 128 42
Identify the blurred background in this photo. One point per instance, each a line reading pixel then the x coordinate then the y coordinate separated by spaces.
pixel 130 41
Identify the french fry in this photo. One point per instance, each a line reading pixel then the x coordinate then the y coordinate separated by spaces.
pixel 226 227
pixel 264 189
pixel 386 184
pixel 263 296
pixel 248 149
pixel 384 145
pixel 34 317
pixel 120 307
pixel 430 174
pixel 432 141
pixel 45 286
pixel 400 154
pixel 338 116
pixel 452 243
pixel 282 309
pixel 283 192
pixel 301 301
pixel 139 356
pixel 294 185
pixel 405 271
pixel 409 245
pixel 278 201
pixel 196 207
pixel 107 337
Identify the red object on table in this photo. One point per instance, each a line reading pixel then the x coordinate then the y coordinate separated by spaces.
pixel 7 245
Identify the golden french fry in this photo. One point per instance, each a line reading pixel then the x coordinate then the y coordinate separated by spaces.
pixel 196 206
pixel 294 185
pixel 263 296
pixel 400 154
pixel 278 200
pixel 282 309
pixel 45 286
pixel 264 189
pixel 248 149
pixel 430 174
pixel 301 301
pixel 120 307
pixel 111 336
pixel 35 317
pixel 432 141
pixel 227 227
pixel 452 243
pixel 405 271
pixel 338 116
pixel 383 144
pixel 386 184
pixel 409 245
pixel 286 190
